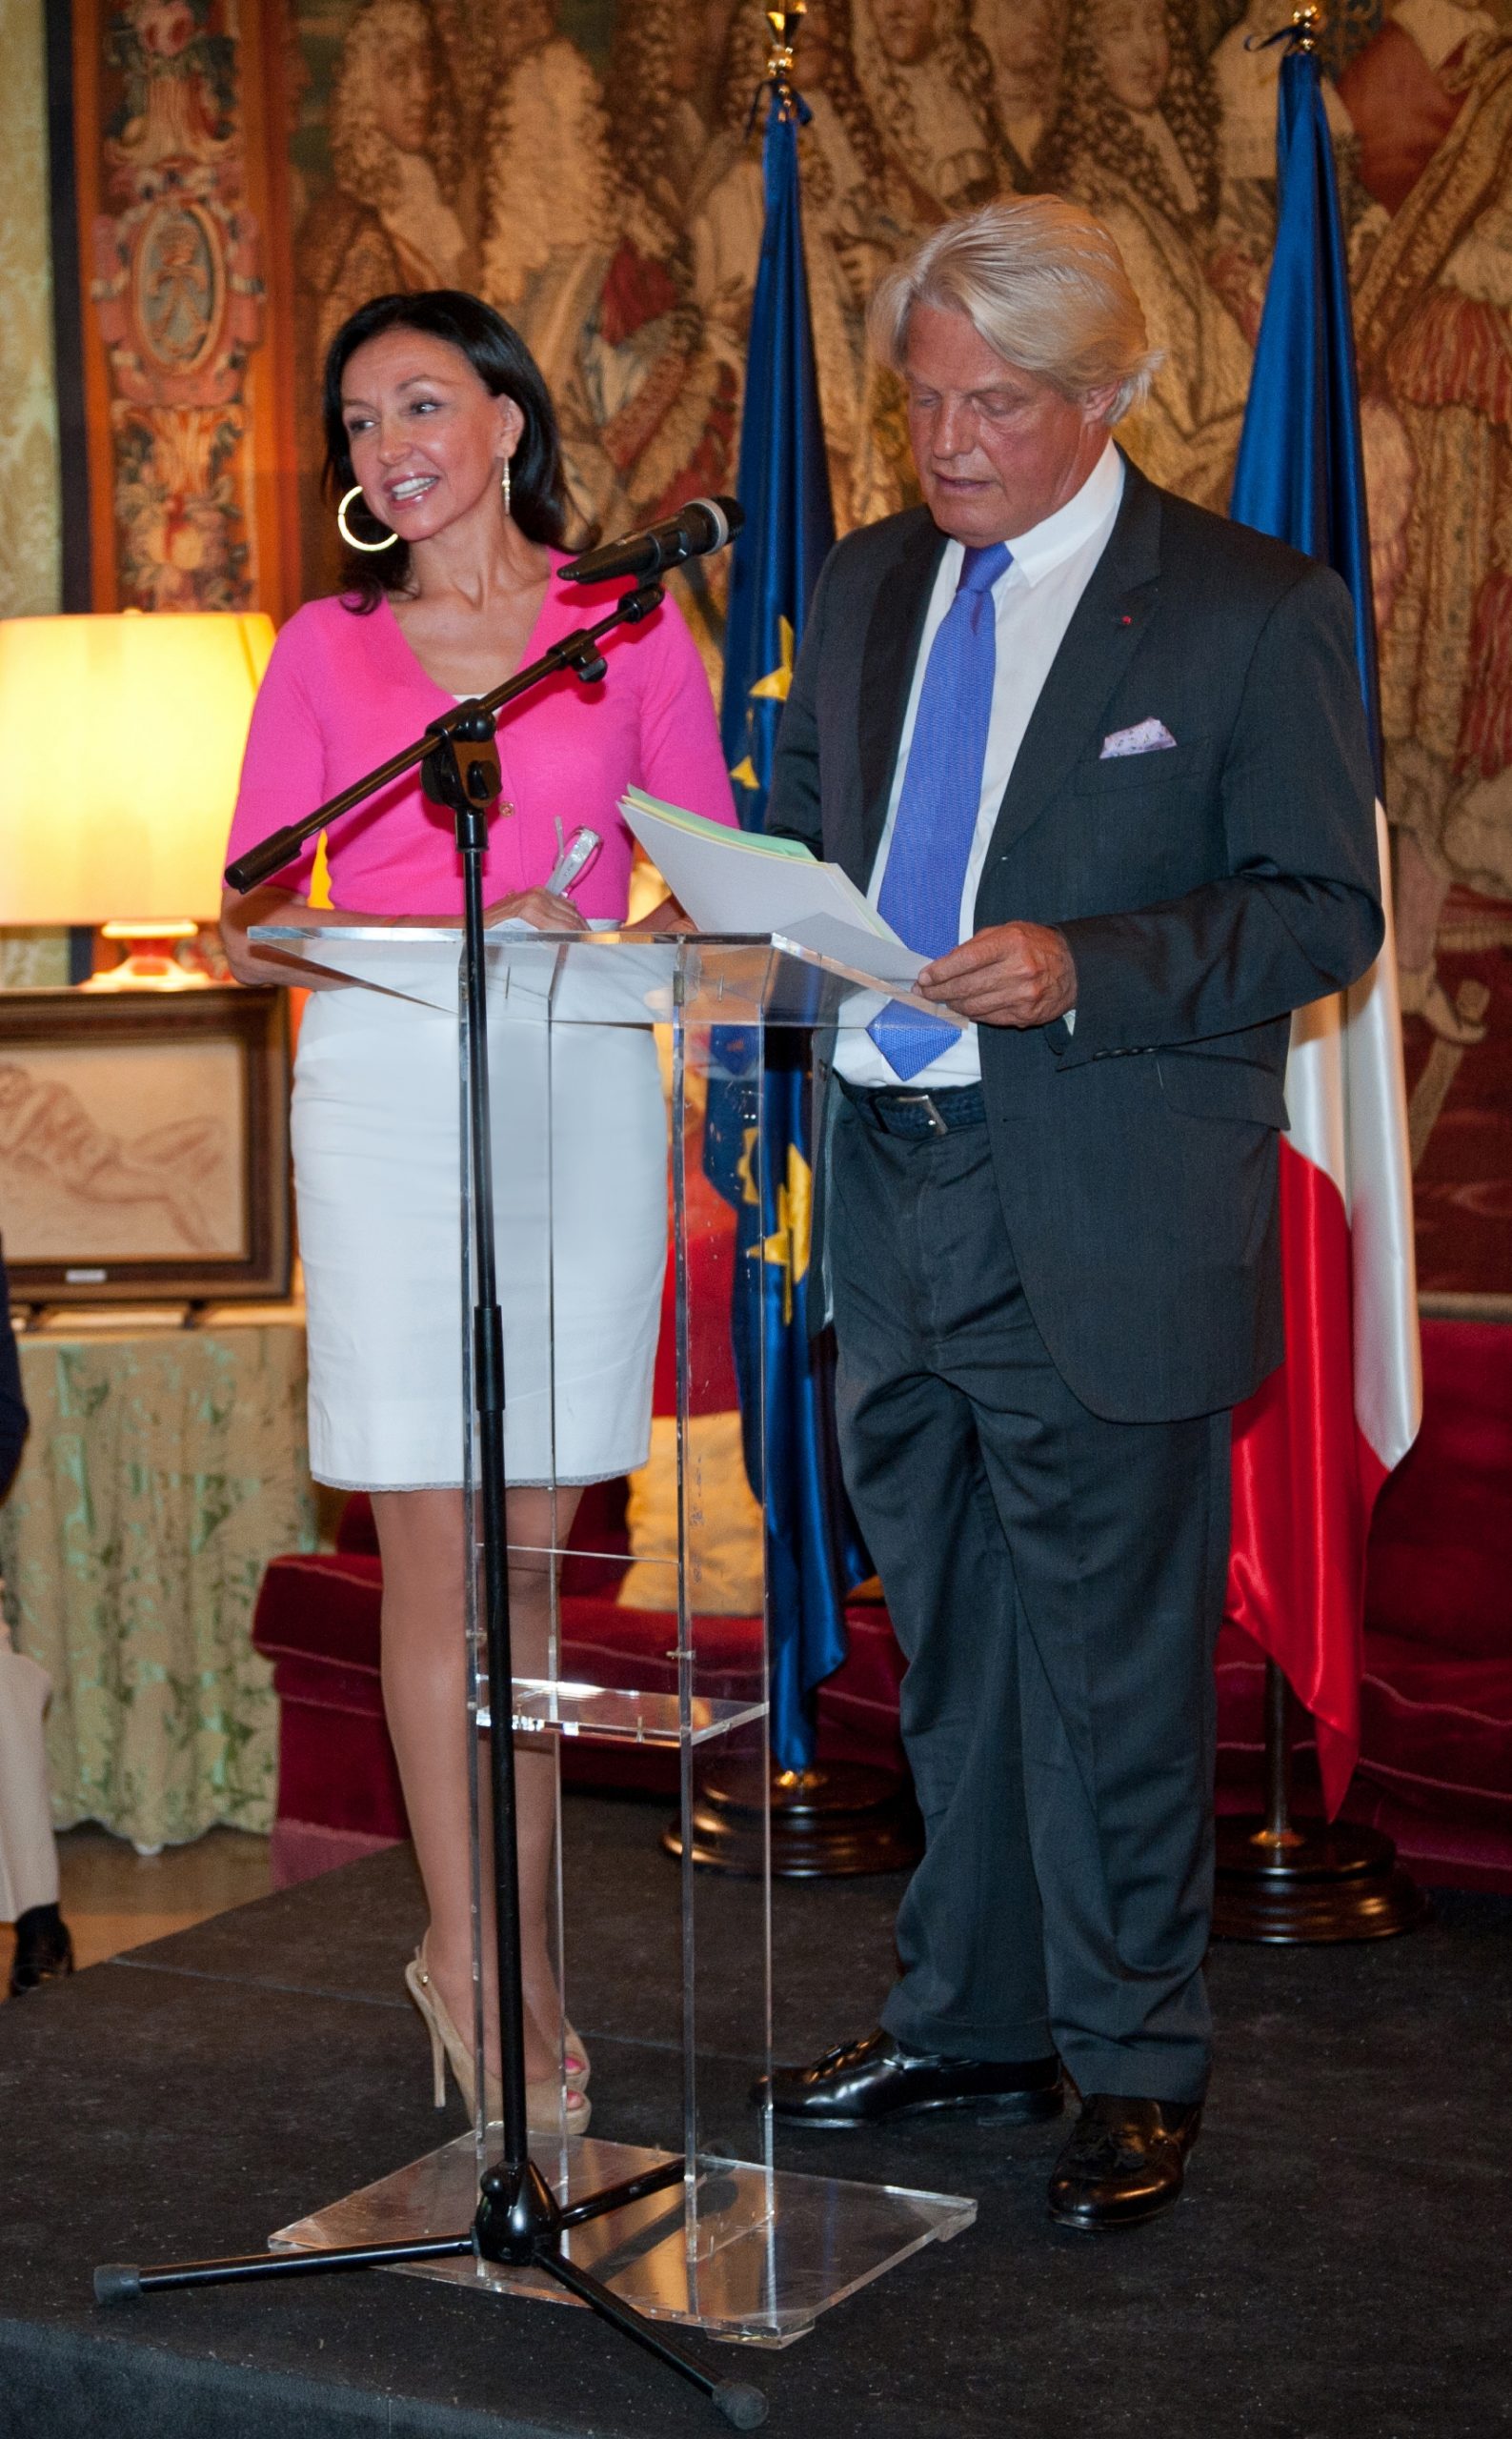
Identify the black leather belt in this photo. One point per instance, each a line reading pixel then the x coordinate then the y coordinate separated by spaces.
pixel 896 1109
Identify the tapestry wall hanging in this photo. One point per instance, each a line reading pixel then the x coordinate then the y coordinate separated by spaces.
pixel 251 172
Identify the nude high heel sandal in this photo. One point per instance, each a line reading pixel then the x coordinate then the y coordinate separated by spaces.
pixel 546 2111
pixel 447 2045
pixel 577 2064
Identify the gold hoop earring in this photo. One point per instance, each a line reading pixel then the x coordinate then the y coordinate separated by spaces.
pixel 346 534
pixel 505 485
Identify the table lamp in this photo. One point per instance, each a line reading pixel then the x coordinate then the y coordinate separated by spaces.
pixel 121 742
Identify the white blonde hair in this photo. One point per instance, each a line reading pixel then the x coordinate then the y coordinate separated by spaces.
pixel 1043 283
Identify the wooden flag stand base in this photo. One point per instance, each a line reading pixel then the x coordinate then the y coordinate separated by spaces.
pixel 834 1821
pixel 1295 1883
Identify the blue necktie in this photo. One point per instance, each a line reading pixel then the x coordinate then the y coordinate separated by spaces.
pixel 941 795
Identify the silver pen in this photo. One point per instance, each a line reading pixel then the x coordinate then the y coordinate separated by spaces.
pixel 574 861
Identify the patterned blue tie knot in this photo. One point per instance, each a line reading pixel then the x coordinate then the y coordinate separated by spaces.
pixel 981 565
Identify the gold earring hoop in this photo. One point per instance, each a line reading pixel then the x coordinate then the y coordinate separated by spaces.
pixel 346 534
pixel 505 486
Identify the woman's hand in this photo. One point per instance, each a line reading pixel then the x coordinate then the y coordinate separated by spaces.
pixel 536 907
pixel 268 903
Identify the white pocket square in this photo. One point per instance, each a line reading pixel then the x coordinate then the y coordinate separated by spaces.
pixel 1147 736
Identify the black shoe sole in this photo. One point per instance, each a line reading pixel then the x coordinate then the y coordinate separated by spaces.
pixel 1090 2226
pixel 1002 2108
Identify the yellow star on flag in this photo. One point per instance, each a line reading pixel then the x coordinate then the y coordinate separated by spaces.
pixel 777 684
pixel 773 688
pixel 787 1248
pixel 749 1192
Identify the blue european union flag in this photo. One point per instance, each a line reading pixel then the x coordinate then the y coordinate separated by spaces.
pixel 1300 473
pixel 758 1150
pixel 784 483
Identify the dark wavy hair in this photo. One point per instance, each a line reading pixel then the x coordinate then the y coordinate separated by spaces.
pixel 1094 134
pixel 539 497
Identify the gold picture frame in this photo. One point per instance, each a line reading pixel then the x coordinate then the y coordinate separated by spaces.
pixel 144 1145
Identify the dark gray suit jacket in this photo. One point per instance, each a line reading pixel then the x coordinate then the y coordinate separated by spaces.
pixel 1205 892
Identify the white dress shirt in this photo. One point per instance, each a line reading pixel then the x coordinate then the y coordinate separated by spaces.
pixel 1033 601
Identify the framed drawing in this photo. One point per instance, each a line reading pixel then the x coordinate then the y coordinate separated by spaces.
pixel 144 1145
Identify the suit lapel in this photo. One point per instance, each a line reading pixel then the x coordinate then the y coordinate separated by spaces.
pixel 887 670
pixel 1104 633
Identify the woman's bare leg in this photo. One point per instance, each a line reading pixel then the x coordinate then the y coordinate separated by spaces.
pixel 535 1531
pixel 424 1666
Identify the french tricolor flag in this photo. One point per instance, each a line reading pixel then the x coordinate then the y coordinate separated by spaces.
pixel 1315 1442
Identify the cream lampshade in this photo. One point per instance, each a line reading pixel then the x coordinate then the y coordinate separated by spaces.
pixel 121 742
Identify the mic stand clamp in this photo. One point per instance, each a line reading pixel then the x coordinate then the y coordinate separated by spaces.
pixel 519 2222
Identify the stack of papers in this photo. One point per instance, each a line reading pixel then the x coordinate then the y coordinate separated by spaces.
pixel 698 826
pixel 737 881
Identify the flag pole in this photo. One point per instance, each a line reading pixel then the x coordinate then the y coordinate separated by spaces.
pixel 1290 1880
pixel 1282 1879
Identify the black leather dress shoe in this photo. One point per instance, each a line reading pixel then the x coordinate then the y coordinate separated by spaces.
pixel 1125 2161
pixel 867 2082
pixel 44 1951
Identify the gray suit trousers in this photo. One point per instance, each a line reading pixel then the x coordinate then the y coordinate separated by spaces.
pixel 1055 1581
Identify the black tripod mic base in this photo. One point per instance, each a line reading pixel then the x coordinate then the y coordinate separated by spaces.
pixel 740 2403
pixel 117 2282
pixel 518 2213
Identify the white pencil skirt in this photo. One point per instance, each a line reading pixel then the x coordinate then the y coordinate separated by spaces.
pixel 376 1132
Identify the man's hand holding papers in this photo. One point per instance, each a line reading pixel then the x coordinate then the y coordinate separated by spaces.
pixel 1011 974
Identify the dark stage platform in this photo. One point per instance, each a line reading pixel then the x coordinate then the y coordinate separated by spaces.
pixel 1338 2270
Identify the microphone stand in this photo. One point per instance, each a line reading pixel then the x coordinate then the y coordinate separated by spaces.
pixel 520 2221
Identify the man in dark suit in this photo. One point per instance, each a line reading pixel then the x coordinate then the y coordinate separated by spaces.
pixel 1102 758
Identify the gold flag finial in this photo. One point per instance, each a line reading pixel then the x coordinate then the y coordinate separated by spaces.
pixel 784 24
pixel 1307 22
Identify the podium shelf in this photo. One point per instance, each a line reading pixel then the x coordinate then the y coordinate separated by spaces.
pixel 557 1707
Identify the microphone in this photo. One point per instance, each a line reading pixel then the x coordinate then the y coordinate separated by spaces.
pixel 704 525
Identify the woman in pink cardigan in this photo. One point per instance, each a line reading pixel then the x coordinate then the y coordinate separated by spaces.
pixel 437 416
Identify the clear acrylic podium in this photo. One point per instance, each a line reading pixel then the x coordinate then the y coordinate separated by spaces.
pixel 617 1064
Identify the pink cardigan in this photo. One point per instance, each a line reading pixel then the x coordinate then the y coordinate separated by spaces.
pixel 343 691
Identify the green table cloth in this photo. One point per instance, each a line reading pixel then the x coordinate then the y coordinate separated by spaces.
pixel 165 1468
